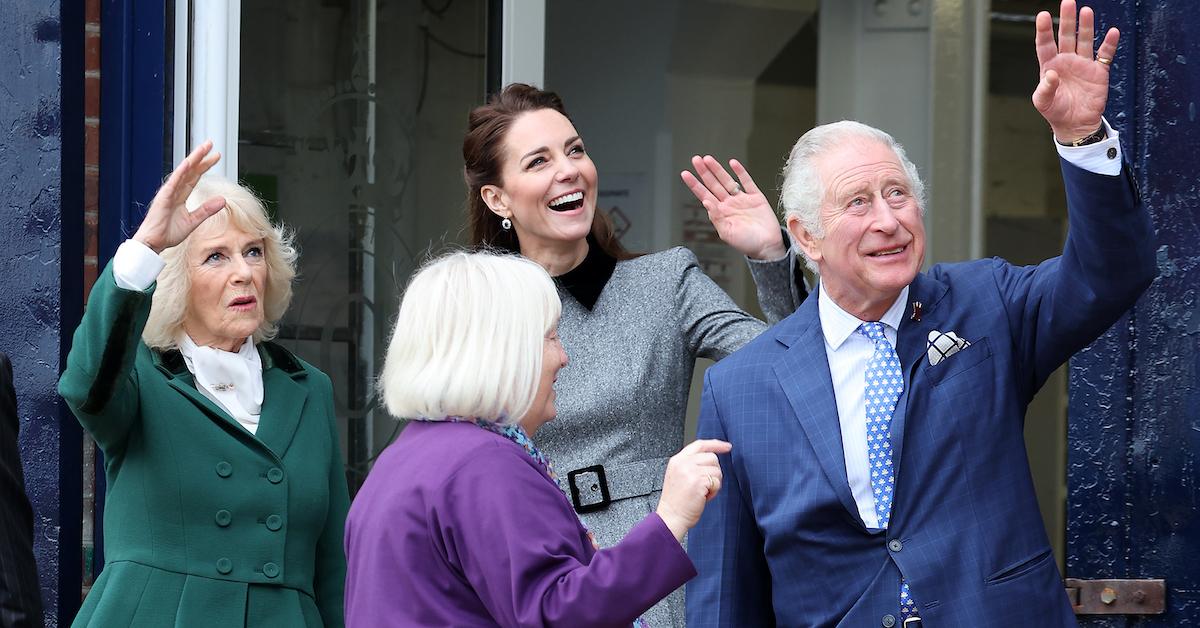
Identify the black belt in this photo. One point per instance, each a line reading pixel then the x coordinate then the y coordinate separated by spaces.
pixel 595 487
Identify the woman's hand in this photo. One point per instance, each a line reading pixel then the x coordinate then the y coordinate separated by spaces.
pixel 693 477
pixel 741 213
pixel 168 221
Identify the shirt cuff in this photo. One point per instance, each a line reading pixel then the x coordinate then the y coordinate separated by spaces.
pixel 135 266
pixel 786 253
pixel 1103 157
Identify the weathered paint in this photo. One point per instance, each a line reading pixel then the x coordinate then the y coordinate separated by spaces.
pixel 1134 431
pixel 40 160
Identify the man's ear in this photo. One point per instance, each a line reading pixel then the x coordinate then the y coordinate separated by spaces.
pixel 803 239
pixel 496 200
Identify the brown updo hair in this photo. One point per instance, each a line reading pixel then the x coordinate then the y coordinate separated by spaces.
pixel 483 159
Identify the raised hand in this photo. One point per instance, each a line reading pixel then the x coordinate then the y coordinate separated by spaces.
pixel 168 221
pixel 1073 88
pixel 693 477
pixel 741 213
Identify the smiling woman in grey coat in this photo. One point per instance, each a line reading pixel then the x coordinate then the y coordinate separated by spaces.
pixel 633 325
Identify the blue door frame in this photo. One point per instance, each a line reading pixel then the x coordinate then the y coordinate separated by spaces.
pixel 135 115
pixel 1134 417
pixel 135 139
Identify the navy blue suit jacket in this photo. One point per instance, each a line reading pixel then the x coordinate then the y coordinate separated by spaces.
pixel 20 594
pixel 782 544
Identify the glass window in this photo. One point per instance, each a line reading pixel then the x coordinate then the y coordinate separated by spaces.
pixel 351 122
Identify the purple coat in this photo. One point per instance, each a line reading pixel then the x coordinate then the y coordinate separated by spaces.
pixel 458 526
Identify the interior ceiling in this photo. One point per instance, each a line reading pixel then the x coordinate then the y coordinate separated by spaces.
pixel 735 39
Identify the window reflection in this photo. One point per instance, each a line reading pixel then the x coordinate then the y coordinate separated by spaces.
pixel 351 116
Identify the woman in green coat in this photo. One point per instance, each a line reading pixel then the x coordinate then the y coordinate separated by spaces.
pixel 226 495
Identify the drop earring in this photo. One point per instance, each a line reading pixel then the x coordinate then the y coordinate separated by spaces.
pixel 506 224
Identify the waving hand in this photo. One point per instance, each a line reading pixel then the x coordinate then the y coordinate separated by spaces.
pixel 168 221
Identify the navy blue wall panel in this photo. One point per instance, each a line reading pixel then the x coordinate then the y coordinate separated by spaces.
pixel 1134 428
pixel 41 163
pixel 134 141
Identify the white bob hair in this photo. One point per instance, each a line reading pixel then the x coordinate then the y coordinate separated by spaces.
pixel 803 191
pixel 243 210
pixel 468 341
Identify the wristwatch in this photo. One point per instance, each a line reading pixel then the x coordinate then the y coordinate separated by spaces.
pixel 1096 136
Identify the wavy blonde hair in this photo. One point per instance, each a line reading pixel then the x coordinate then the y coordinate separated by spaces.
pixel 469 338
pixel 244 211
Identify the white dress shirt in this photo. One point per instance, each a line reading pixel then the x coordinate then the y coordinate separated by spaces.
pixel 232 380
pixel 849 351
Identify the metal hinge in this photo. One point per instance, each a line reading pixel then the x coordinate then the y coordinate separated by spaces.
pixel 1117 597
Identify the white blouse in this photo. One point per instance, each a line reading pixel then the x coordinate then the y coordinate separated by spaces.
pixel 232 380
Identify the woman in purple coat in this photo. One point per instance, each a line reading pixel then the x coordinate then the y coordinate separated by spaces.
pixel 461 522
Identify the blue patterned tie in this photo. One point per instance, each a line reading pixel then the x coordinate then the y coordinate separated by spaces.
pixel 884 384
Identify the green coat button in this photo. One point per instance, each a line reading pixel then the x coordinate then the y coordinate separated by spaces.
pixel 224 565
pixel 270 570
pixel 274 522
pixel 223 518
pixel 275 475
pixel 224 469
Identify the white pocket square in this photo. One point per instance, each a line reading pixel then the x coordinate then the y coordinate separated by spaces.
pixel 943 345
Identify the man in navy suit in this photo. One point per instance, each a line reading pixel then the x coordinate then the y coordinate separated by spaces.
pixel 878 475
pixel 20 595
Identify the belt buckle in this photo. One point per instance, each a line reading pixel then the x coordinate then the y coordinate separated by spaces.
pixel 601 482
pixel 912 622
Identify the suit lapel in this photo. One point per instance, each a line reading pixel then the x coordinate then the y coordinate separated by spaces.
pixel 283 398
pixel 171 364
pixel 911 345
pixel 803 374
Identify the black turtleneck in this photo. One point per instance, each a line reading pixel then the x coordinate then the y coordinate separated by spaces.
pixel 586 281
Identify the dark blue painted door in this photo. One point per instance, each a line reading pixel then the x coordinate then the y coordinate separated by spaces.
pixel 1133 506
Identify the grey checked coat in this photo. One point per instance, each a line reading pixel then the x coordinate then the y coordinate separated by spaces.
pixel 622 398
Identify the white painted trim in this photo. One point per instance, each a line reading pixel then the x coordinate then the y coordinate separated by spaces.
pixel 216 58
pixel 523 56
pixel 179 143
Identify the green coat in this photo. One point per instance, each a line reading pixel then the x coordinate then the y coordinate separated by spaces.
pixel 206 524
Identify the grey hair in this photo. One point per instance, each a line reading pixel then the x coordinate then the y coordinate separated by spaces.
pixel 803 191
pixel 244 211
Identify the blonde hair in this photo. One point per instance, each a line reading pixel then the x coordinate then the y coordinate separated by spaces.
pixel 468 339
pixel 244 211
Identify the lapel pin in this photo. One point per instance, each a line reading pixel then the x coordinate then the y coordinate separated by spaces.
pixel 916 312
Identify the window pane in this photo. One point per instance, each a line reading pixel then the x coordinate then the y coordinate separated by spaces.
pixel 351 121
